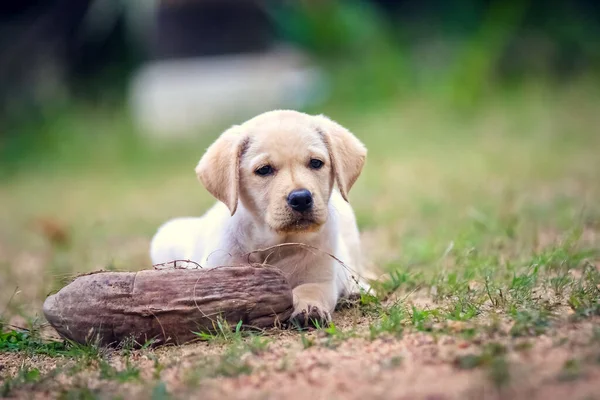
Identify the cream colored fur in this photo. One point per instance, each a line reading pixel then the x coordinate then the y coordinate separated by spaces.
pixel 253 212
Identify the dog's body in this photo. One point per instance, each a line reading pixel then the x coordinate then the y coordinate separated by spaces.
pixel 274 176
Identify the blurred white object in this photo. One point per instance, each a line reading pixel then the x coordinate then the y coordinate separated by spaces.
pixel 175 97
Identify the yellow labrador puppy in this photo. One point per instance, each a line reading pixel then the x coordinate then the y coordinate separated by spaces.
pixel 274 176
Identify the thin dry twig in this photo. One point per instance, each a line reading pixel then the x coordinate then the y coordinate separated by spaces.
pixel 217 250
pixel 406 296
pixel 10 300
pixel 173 265
pixel 166 338
pixel 308 247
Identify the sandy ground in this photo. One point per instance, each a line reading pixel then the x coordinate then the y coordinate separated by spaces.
pixel 417 365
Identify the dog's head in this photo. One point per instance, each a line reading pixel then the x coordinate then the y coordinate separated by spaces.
pixel 282 166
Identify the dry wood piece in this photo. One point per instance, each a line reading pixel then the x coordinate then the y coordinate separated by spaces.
pixel 167 305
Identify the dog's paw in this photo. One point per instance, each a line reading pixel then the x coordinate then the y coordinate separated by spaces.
pixel 308 315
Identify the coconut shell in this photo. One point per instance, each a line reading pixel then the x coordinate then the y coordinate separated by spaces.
pixel 167 306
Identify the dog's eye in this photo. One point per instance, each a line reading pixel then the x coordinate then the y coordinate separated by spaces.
pixel 264 170
pixel 316 164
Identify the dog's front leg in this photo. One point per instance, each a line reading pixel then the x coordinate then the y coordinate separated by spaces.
pixel 313 303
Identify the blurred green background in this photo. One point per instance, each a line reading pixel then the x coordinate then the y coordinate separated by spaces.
pixel 481 120
pixel 454 54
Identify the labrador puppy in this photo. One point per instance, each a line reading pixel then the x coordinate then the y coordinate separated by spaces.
pixel 275 177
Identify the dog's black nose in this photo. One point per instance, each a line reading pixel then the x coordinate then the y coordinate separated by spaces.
pixel 300 200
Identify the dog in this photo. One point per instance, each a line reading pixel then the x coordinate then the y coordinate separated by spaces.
pixel 275 178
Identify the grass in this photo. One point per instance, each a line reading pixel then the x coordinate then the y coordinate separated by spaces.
pixel 389 321
pixel 24 376
pixel 232 362
pixel 571 370
pixel 15 341
pixel 223 332
pixel 486 225
pixel 160 392
pixel 78 394
pixel 128 373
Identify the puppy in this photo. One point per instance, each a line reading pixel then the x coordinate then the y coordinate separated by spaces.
pixel 274 176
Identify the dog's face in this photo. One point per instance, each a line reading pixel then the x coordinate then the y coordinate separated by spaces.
pixel 285 173
pixel 282 166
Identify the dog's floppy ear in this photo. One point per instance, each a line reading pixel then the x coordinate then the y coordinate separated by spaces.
pixel 219 167
pixel 347 153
